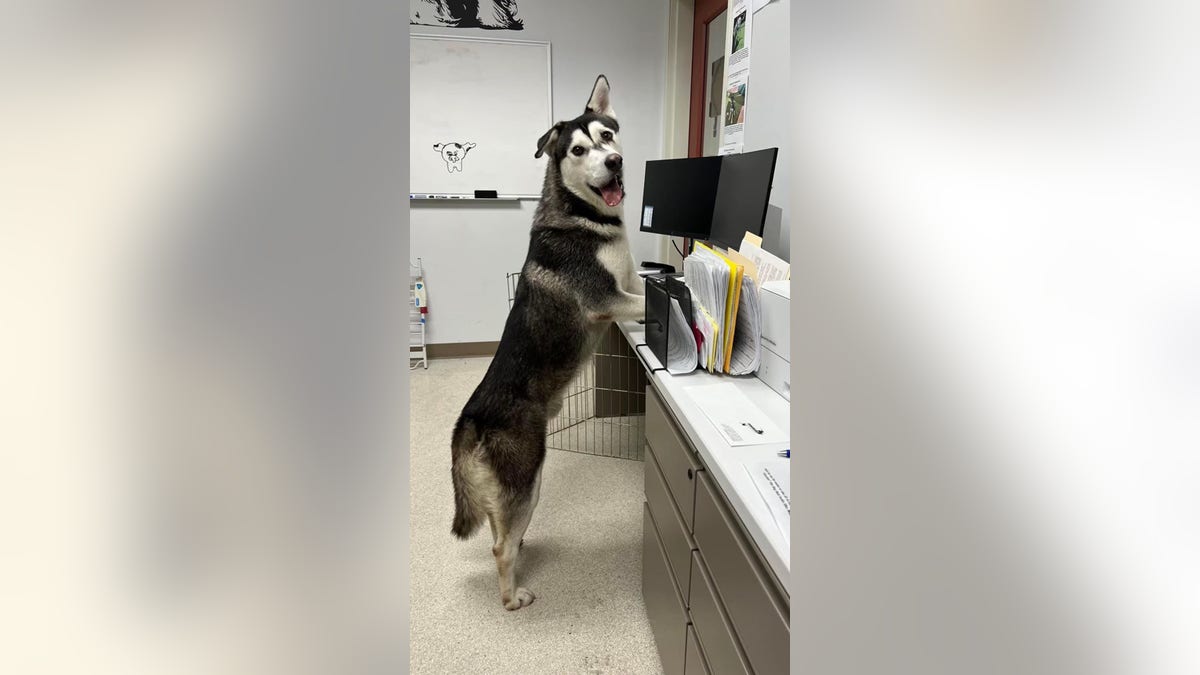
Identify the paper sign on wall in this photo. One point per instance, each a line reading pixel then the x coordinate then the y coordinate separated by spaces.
pixel 737 77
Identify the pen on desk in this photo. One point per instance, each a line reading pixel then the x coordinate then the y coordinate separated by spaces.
pixel 786 453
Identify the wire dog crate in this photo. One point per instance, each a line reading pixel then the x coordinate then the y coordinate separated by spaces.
pixel 604 408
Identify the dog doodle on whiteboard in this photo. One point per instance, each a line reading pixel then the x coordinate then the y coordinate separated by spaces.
pixel 453 154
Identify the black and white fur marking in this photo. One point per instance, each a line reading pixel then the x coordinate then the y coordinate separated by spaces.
pixel 577 278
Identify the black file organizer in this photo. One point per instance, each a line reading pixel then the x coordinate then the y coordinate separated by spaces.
pixel 660 289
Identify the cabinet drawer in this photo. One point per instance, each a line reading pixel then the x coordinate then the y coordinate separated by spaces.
pixel 664 608
pixel 679 465
pixel 676 540
pixel 747 589
pixel 694 663
pixel 714 631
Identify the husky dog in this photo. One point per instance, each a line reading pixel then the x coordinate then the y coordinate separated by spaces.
pixel 577 278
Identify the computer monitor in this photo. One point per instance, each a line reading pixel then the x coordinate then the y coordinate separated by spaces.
pixel 678 196
pixel 742 194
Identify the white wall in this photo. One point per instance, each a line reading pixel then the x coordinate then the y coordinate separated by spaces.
pixel 468 248
pixel 768 122
pixel 996 233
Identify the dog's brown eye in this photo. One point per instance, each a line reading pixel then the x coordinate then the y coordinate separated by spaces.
pixel 606 135
pixel 577 150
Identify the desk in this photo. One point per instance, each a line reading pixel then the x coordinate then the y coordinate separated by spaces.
pixel 721 459
pixel 713 538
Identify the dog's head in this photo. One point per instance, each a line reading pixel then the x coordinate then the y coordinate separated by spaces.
pixel 587 152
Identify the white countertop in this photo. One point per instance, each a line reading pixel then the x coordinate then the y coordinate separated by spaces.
pixel 725 462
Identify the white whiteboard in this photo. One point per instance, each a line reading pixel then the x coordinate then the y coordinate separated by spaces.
pixel 494 94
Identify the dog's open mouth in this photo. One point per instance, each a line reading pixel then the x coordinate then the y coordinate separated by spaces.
pixel 613 193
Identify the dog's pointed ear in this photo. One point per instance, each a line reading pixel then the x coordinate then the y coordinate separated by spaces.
pixel 547 140
pixel 437 147
pixel 600 102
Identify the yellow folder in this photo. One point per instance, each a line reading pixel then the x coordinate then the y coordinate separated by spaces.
pixel 735 296
pixel 732 298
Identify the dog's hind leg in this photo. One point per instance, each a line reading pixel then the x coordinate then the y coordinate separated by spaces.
pixel 508 545
pixel 506 550
pixel 533 500
pixel 495 539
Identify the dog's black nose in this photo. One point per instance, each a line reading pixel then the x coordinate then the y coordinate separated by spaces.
pixel 613 162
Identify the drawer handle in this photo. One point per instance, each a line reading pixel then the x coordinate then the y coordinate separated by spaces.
pixel 689 473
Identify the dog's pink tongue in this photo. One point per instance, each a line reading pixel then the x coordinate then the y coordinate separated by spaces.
pixel 612 193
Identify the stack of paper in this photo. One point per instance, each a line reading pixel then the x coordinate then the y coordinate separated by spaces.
pixel 710 334
pixel 747 341
pixel 769 267
pixel 681 342
pixel 726 309
pixel 724 291
pixel 715 285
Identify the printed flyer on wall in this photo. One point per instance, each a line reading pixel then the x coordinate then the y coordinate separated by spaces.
pixel 737 76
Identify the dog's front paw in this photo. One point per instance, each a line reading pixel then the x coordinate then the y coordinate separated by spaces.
pixel 521 598
pixel 599 317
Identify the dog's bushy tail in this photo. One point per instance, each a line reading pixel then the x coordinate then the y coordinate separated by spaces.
pixel 466 511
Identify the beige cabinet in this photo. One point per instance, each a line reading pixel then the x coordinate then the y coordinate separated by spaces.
pixel 714 605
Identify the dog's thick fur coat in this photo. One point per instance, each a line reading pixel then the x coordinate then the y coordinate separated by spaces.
pixel 577 278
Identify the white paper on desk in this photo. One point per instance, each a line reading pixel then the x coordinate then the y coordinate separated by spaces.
pixel 739 421
pixel 681 342
pixel 773 478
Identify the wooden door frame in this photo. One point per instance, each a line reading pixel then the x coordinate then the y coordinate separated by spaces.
pixel 705 12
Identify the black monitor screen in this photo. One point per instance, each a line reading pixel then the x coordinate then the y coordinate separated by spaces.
pixel 679 195
pixel 742 194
